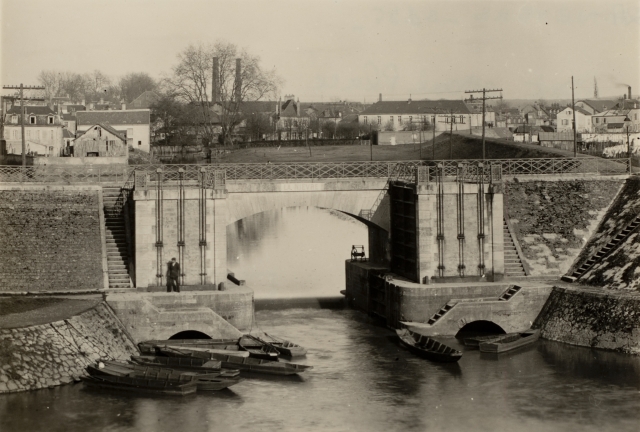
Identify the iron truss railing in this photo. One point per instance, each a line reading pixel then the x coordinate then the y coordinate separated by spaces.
pixel 286 171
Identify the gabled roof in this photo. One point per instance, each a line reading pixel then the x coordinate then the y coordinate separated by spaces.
pixel 145 100
pixel 69 117
pixel 105 126
pixel 66 133
pixel 599 105
pixel 114 117
pixel 32 110
pixel 532 129
pixel 416 107
pixel 578 110
pixel 258 107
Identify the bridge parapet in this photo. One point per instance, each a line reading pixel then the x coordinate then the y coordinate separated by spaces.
pixel 310 170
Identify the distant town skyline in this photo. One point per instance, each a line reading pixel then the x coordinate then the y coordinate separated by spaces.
pixel 354 50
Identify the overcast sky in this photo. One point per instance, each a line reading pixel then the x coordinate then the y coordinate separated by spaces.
pixel 345 49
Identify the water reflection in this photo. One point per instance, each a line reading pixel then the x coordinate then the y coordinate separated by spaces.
pixel 364 381
pixel 293 252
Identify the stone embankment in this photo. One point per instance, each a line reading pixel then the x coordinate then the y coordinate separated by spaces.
pixel 50 239
pixel 620 268
pixel 592 318
pixel 554 219
pixel 57 353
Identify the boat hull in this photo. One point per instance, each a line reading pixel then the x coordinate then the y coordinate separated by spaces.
pixel 510 342
pixel 446 355
pixel 137 385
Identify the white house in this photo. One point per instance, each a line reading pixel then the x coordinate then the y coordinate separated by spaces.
pixel 405 115
pixel 564 120
pixel 133 124
pixel 42 129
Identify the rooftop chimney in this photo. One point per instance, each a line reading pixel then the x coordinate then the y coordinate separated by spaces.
pixel 238 89
pixel 215 78
pixel 298 108
pixel 379 97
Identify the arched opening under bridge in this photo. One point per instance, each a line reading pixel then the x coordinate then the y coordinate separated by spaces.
pixel 190 334
pixel 295 251
pixel 479 328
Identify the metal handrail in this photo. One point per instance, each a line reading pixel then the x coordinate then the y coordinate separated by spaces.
pixel 307 170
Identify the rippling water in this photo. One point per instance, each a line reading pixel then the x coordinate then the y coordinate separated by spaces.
pixel 362 380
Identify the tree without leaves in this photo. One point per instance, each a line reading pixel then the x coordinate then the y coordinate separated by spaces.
pixel 192 78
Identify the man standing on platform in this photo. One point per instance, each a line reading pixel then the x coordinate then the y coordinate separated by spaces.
pixel 173 275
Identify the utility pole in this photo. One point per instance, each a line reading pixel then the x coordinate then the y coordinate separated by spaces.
pixel 484 98
pixel 573 108
pixel 370 142
pixel 433 143
pixel 451 119
pixel 22 114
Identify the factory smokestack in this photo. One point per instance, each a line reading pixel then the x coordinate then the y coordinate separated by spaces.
pixel 629 88
pixel 379 97
pixel 214 81
pixel 238 89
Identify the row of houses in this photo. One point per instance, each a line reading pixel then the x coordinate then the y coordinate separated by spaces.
pixel 601 116
pixel 67 131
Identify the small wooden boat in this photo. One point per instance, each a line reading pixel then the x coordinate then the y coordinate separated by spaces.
pixel 204 382
pixel 510 342
pixel 475 341
pixel 257 348
pixel 202 365
pixel 148 347
pixel 285 347
pixel 244 364
pixel 427 347
pixel 151 371
pixel 142 385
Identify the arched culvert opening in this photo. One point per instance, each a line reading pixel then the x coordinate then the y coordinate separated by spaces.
pixel 190 334
pixel 479 328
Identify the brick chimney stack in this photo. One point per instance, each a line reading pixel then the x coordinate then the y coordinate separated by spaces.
pixel 238 89
pixel 214 80
pixel 379 97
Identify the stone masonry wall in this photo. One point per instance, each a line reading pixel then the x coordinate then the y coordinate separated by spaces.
pixel 553 220
pixel 619 269
pixel 596 319
pixel 50 240
pixel 52 354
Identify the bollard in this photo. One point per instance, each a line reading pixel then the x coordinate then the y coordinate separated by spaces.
pixel 221 287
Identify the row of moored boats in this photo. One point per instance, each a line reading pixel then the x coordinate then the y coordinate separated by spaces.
pixel 180 367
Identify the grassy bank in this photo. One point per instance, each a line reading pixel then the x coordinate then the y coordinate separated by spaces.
pixel 459 147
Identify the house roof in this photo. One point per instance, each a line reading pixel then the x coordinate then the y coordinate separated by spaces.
pixel 416 107
pixel 145 100
pixel 532 129
pixel 599 105
pixel 105 126
pixel 258 107
pixel 615 125
pixel 66 133
pixel 32 109
pixel 114 117
pixel 68 117
pixel 76 108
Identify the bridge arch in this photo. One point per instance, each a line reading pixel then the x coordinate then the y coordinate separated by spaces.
pixel 480 327
pixel 190 334
pixel 349 197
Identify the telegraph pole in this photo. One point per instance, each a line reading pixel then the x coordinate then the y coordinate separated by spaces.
pixel 452 118
pixel 22 114
pixel 484 98
pixel 573 108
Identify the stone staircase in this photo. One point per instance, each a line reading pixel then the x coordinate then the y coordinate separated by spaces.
pixel 513 289
pixel 446 308
pixel 512 262
pixel 117 252
pixel 604 251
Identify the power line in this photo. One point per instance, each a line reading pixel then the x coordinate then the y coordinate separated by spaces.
pixel 483 99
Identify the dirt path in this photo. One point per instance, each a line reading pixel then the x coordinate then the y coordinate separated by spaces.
pixel 28 311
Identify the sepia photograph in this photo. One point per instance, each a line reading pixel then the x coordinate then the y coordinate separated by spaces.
pixel 319 215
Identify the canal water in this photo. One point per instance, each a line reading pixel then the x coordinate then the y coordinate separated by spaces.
pixel 362 380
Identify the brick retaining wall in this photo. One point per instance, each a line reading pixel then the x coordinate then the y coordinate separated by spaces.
pixel 50 240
